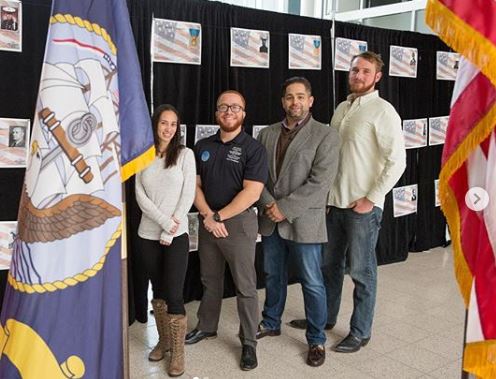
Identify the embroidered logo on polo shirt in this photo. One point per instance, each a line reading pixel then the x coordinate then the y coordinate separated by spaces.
pixel 205 156
pixel 234 155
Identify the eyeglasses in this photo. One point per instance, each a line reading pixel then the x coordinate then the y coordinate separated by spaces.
pixel 235 108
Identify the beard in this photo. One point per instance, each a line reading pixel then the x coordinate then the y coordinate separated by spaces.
pixel 359 89
pixel 231 126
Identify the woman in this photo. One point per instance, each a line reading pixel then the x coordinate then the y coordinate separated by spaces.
pixel 165 191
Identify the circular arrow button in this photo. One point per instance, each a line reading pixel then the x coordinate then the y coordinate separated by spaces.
pixel 477 198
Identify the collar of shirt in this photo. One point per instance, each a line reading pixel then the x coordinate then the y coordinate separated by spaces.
pixel 298 125
pixel 362 99
pixel 238 139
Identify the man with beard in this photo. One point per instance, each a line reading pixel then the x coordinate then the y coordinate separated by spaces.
pixel 232 171
pixel 372 160
pixel 303 157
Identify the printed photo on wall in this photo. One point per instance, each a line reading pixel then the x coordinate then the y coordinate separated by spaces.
pixel 447 65
pixel 8 230
pixel 305 52
pixel 346 49
pixel 415 133
pixel 11 25
pixel 405 200
pixel 256 129
pixel 14 142
pixel 176 41
pixel 204 131
pixel 437 130
pixel 403 61
pixel 250 48
pixel 183 131
pixel 437 202
pixel 193 230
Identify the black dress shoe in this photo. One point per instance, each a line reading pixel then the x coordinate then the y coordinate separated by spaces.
pixel 262 332
pixel 302 324
pixel 351 344
pixel 316 355
pixel 197 335
pixel 248 358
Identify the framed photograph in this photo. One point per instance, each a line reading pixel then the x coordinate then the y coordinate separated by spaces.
pixel 250 48
pixel 8 230
pixel 193 223
pixel 415 133
pixel 403 61
pixel 405 200
pixel 176 41
pixel 256 129
pixel 204 131
pixel 345 50
pixel 14 142
pixel 305 52
pixel 11 25
pixel 437 130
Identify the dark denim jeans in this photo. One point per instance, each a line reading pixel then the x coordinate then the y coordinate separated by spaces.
pixel 352 239
pixel 307 259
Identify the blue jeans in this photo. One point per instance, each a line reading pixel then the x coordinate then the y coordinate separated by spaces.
pixel 307 258
pixel 352 239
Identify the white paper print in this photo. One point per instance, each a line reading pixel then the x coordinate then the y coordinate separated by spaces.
pixel 415 133
pixel 405 200
pixel 346 49
pixel 250 48
pixel 403 61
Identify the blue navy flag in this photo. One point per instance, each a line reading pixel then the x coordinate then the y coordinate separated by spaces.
pixel 62 311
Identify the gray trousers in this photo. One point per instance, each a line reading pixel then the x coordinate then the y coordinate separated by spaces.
pixel 238 250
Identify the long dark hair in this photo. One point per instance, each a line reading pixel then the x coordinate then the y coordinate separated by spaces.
pixel 174 147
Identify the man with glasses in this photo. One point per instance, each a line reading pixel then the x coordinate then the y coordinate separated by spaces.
pixel 303 156
pixel 232 171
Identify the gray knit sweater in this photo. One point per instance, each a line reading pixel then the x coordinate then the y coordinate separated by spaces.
pixel 165 192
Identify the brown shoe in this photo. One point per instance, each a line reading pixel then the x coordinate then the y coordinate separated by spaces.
pixel 316 355
pixel 161 322
pixel 177 326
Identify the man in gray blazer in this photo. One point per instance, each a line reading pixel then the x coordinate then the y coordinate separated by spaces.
pixel 303 157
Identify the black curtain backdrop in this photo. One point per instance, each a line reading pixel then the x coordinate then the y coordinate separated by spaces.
pixel 194 89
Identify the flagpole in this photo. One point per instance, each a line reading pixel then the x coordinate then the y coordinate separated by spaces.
pixel 124 288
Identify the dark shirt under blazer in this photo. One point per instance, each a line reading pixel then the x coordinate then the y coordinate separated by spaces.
pixel 302 187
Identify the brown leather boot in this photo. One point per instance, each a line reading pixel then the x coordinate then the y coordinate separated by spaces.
pixel 161 321
pixel 177 325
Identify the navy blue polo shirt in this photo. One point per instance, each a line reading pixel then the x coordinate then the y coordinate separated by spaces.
pixel 223 166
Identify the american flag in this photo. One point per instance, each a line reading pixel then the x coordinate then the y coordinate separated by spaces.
pixel 174 43
pixel 345 50
pixel 305 52
pixel 250 48
pixel 403 61
pixel 437 130
pixel 469 160
pixel 446 65
pixel 415 133
pixel 7 234
pixel 405 200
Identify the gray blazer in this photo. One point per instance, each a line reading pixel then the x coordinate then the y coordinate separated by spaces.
pixel 301 190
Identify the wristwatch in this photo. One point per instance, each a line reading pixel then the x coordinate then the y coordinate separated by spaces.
pixel 216 217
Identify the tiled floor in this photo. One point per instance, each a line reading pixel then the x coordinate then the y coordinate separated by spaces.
pixel 418 332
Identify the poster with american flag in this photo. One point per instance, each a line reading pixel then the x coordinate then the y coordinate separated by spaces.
pixel 345 50
pixel 437 201
pixel 14 142
pixel 405 200
pixel 204 131
pixel 250 48
pixel 415 133
pixel 176 41
pixel 11 25
pixel 256 130
pixel 437 130
pixel 8 230
pixel 305 52
pixel 446 65
pixel 403 61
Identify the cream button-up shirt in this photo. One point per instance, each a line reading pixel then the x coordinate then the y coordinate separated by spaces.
pixel 372 156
